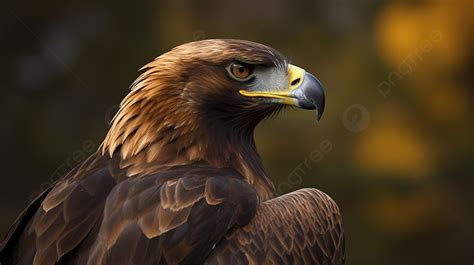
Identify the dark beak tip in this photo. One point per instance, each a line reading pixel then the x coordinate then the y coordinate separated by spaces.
pixel 319 114
pixel 314 93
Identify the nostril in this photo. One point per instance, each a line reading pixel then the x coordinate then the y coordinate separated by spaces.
pixel 295 82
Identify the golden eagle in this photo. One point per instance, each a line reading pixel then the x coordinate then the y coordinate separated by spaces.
pixel 178 179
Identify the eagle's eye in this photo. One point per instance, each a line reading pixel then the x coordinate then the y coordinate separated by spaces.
pixel 240 71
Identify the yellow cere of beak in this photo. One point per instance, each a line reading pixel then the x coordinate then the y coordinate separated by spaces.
pixel 295 79
pixel 295 76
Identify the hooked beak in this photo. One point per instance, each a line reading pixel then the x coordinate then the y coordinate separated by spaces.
pixel 304 90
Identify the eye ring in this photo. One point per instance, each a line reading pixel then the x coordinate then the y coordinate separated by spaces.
pixel 240 71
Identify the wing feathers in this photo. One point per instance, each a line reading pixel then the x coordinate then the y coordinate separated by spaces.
pixel 303 227
pixel 177 217
pixel 188 215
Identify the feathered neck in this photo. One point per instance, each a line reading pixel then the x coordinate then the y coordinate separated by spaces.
pixel 157 128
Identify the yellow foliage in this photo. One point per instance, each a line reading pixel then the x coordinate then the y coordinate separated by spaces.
pixel 444 103
pixel 392 146
pixel 403 29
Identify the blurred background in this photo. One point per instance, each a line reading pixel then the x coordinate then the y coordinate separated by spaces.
pixel 394 148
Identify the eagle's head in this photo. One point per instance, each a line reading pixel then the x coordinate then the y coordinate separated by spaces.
pixel 202 100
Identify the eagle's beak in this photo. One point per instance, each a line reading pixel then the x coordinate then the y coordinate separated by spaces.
pixel 304 90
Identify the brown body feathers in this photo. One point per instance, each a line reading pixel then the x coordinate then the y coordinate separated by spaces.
pixel 178 179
